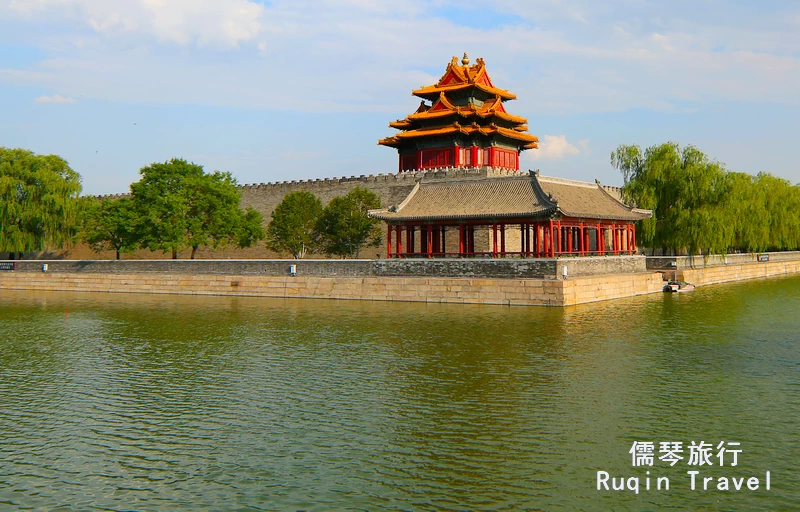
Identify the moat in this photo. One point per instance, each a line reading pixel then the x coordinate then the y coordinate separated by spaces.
pixel 147 402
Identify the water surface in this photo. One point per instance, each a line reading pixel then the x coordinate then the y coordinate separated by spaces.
pixel 116 401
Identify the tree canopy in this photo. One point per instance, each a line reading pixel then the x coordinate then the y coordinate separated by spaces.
pixel 345 226
pixel 699 206
pixel 38 201
pixel 110 224
pixel 294 223
pixel 180 206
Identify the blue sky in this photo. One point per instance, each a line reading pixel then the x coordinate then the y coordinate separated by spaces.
pixel 301 89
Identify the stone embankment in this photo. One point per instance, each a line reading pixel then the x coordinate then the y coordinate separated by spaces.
pixel 509 281
pixel 514 291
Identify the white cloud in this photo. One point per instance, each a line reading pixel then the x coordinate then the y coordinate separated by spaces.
pixel 53 99
pixel 553 147
pixel 225 23
pixel 361 55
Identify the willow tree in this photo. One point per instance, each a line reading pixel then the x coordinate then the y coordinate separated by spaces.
pixel 747 212
pixel 783 204
pixel 685 191
pixel 698 206
pixel 38 201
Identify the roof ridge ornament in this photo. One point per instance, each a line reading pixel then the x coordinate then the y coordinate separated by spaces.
pixel 465 59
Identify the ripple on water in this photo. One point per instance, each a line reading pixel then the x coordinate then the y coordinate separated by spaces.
pixel 145 402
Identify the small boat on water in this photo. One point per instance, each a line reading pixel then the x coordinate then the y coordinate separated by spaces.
pixel 678 286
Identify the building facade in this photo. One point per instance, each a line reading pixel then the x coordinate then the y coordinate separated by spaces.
pixel 461 122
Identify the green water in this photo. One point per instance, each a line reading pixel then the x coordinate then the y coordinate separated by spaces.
pixel 111 401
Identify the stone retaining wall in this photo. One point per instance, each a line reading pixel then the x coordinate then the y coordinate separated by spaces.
pixel 715 260
pixel 729 273
pixel 525 292
pixel 498 268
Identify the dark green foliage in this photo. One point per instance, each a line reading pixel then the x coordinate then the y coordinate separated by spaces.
pixel 345 226
pixel 109 224
pixel 180 206
pixel 293 225
pixel 38 201
pixel 700 207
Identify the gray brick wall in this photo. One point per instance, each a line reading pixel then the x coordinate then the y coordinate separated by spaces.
pixel 497 268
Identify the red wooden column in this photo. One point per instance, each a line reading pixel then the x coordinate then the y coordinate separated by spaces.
pixel 546 232
pixel 522 240
pixel 633 236
pixel 419 159
pixel 587 246
pixel 630 239
pixel 456 156
pixel 558 240
pixel 429 231
pixel 389 241
pixel 551 241
pixel 600 239
pixel 527 240
pixel 614 238
pixel 583 239
pixel 502 239
pixel 399 241
pixel 494 240
pixel 461 234
pixel 474 151
pixel 539 243
pixel 491 156
pixel 444 239
pixel 569 238
pixel 627 238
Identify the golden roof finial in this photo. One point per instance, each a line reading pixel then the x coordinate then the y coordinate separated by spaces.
pixel 465 60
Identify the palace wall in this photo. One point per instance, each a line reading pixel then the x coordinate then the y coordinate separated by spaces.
pixel 264 197
pixel 455 267
pixel 523 292
pixel 511 281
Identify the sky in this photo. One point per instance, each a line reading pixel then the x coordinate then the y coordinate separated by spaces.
pixel 299 89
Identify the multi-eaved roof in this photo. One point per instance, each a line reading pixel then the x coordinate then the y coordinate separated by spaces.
pixel 459 78
pixel 479 110
pixel 517 197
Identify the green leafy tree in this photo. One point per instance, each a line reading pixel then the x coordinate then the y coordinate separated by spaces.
pixel 345 226
pixel 38 201
pixel 700 207
pixel 293 225
pixel 110 224
pixel 250 228
pixel 180 207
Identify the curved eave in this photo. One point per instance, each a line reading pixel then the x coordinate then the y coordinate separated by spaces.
pixel 388 216
pixel 466 130
pixel 630 217
pixel 434 91
pixel 392 142
pixel 463 113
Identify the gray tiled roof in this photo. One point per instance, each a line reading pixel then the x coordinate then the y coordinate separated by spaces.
pixel 530 196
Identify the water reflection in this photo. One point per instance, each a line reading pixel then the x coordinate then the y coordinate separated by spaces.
pixel 165 402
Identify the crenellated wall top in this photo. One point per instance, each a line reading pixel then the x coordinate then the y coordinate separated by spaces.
pixel 439 173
